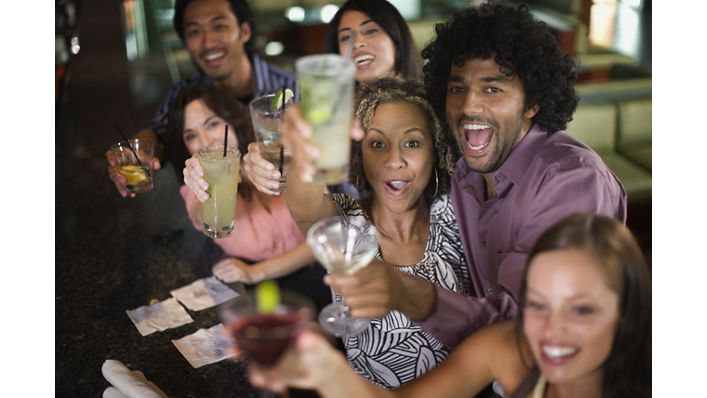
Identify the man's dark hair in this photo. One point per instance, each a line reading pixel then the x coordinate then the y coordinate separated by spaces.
pixel 389 19
pixel 240 8
pixel 522 46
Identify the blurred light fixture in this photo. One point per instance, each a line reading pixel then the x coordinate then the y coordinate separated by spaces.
pixel 327 12
pixel 75 45
pixel 274 48
pixel 295 14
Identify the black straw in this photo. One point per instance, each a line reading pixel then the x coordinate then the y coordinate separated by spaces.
pixel 282 148
pixel 225 141
pixel 127 141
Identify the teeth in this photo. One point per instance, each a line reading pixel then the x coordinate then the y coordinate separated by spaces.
pixel 556 352
pixel 480 147
pixel 212 56
pixel 363 58
pixel 472 126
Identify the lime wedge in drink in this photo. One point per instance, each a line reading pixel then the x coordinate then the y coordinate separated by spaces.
pixel 277 102
pixel 133 174
pixel 267 297
pixel 318 114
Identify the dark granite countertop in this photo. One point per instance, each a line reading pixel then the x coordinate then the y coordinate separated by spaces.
pixel 113 254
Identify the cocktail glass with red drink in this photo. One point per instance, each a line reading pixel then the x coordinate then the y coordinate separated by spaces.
pixel 264 337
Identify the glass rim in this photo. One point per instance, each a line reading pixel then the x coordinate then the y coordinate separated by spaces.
pixel 123 144
pixel 231 150
pixel 304 65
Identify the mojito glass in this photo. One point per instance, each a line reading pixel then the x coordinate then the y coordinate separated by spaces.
pixel 326 84
pixel 266 125
pixel 222 173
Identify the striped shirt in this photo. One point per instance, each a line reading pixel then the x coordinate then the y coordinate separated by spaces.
pixel 268 79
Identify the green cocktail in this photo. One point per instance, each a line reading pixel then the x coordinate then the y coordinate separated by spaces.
pixel 222 173
pixel 326 85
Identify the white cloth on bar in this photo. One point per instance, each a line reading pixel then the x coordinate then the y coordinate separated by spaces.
pixel 131 384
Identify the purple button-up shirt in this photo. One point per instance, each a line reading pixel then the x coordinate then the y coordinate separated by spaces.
pixel 544 179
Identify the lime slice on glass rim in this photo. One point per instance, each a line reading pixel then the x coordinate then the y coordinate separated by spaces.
pixel 277 102
pixel 267 297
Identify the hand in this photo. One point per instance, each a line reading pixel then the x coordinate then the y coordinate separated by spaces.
pixel 234 270
pixel 117 178
pixel 194 178
pixel 296 133
pixel 310 364
pixel 371 292
pixel 260 172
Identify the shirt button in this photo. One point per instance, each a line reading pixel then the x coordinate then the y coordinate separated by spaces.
pixel 490 291
pixel 483 243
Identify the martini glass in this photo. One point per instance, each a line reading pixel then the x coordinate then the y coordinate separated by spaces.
pixel 342 246
pixel 264 337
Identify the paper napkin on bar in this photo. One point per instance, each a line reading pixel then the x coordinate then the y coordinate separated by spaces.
pixel 127 383
pixel 205 346
pixel 160 316
pixel 204 293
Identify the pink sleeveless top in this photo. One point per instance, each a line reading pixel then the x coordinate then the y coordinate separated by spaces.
pixel 259 234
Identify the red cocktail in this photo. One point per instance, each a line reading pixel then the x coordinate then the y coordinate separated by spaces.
pixel 265 337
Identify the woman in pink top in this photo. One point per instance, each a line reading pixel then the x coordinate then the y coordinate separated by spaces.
pixel 265 232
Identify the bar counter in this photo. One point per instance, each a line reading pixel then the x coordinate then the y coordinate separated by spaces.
pixel 114 254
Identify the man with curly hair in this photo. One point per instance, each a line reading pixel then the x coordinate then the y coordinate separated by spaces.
pixel 504 92
pixel 507 91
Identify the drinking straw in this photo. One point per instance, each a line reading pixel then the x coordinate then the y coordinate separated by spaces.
pixel 225 141
pixel 282 148
pixel 127 141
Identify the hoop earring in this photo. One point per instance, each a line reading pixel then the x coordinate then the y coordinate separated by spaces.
pixel 436 184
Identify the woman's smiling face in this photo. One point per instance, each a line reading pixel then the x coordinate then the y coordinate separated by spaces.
pixel 374 51
pixel 203 127
pixel 571 315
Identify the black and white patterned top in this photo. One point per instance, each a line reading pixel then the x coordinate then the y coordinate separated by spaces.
pixel 393 350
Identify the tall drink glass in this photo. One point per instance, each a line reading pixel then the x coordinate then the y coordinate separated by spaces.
pixel 326 84
pixel 222 173
pixel 266 124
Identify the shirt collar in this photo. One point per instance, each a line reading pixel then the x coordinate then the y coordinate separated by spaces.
pixel 518 161
pixel 511 171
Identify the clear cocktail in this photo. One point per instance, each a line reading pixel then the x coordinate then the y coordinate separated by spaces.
pixel 326 85
pixel 342 247
pixel 266 120
pixel 222 173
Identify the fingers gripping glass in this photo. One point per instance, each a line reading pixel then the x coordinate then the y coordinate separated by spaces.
pixel 342 247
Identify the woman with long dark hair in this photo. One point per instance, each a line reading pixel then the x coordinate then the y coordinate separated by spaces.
pixel 585 330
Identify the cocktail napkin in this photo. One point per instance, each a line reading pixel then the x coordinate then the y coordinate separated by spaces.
pixel 205 346
pixel 131 384
pixel 204 293
pixel 160 316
